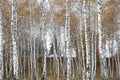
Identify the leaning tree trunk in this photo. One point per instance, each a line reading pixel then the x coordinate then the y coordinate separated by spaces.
pixel 67 40
pixel 14 37
pixel 103 73
pixel 1 47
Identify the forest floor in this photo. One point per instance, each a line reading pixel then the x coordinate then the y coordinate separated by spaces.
pixel 50 71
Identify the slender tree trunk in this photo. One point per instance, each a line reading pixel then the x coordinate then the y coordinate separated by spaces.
pixel 30 45
pixel 82 44
pixel 24 59
pixel 87 43
pixel 44 67
pixel 56 57
pixel 117 57
pixel 44 46
pixel 93 58
pixel 29 60
pixel 34 61
pixel 67 39
pixel 1 46
pixel 14 37
pixel 93 54
pixel 20 59
pixel 79 57
pixel 118 64
pixel 103 73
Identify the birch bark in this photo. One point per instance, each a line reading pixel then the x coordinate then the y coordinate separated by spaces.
pixel 44 52
pixel 87 43
pixel 14 36
pixel 103 70
pixel 67 39
pixel 1 46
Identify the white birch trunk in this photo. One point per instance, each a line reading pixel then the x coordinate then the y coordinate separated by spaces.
pixel 30 45
pixel 35 63
pixel 78 58
pixel 92 23
pixel 103 70
pixel 44 46
pixel 29 61
pixel 82 45
pixel 117 57
pixel 87 43
pixel 92 56
pixel 118 65
pixel 56 58
pixel 67 40
pixel 14 36
pixel 21 43
pixel 24 64
pixel 1 47
pixel 44 67
pixel 95 60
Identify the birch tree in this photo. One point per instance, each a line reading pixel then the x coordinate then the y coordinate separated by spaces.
pixel 14 38
pixel 118 40
pixel 103 73
pixel 31 39
pixel 67 39
pixel 1 46
pixel 44 51
pixel 93 37
pixel 87 43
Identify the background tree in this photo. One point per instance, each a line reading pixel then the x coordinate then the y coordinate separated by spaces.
pixel 67 40
pixel 1 44
pixel 14 38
